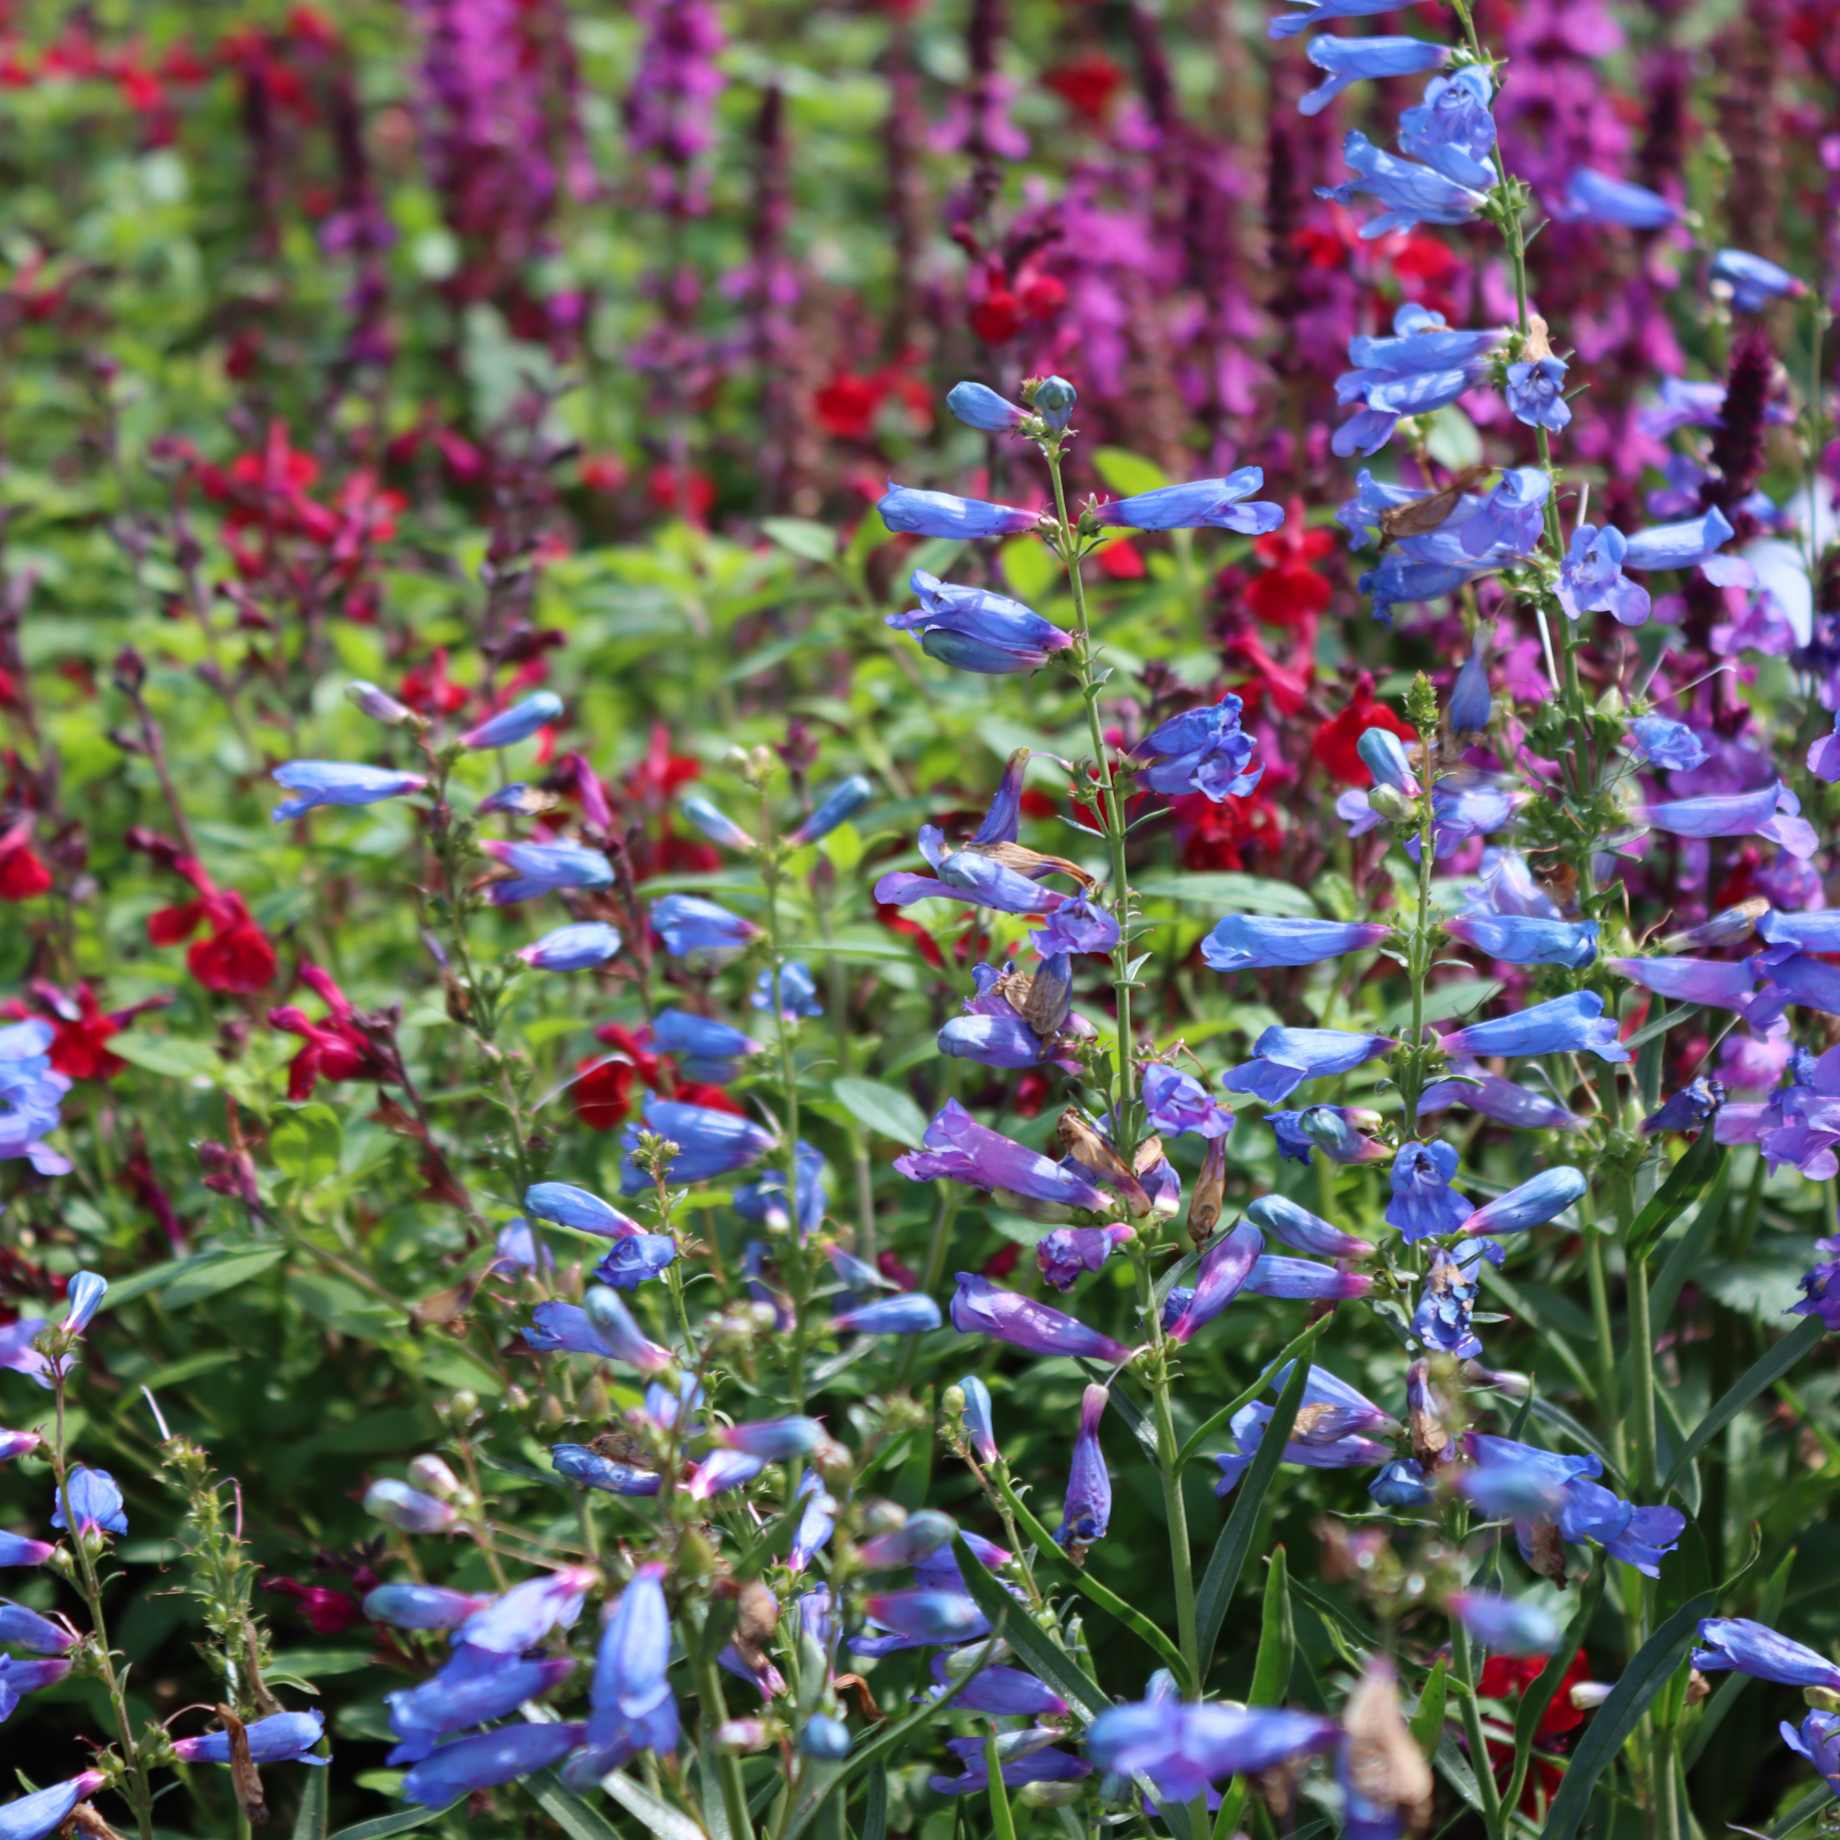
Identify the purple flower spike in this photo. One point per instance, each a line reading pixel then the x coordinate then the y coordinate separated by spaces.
pixel 982 1308
pixel 1220 1277
pixel 1087 1511
pixel 1176 1102
pixel 1068 1253
pixel 957 1148
pixel 1564 1025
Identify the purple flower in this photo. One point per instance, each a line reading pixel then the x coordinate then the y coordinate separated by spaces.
pixel 1758 1650
pixel 1076 928
pixel 23 1628
pixel 1087 1511
pixel 1317 12
pixel 282 1737
pixel 957 1148
pixel 1470 704
pixel 633 1709
pixel 1335 1429
pixel 1505 1624
pixel 841 803
pixel 1346 61
pixel 925 1532
pixel 543 868
pixel 1536 393
pixel 908 1314
pixel 18 1678
pixel 572 948
pixel 1296 1226
pixel 1717 983
pixel 1200 504
pixel 1509 522
pixel 486 1759
pixel 928 1617
pixel 973 629
pixel 1532 1203
pixel 94 1500
pixel 1751 282
pixel 1771 811
pixel 1519 939
pixel 1225 1268
pixel 1662 743
pixel 1571 1024
pixel 982 1308
pixel 590 1470
pixel 474 1688
pixel 1005 1691
pixel 1304 1281
pixel 1177 1102
pixel 1591 577
pixel 1423 1201
pixel 421 1606
pixel 977 405
pixel 17 1444
pixel 1452 131
pixel 338 782
pixel 1284 1059
pixel 526 1613
pixel 1067 1253
pixel 694 928
pixel 709 1143
pixel 1686 1110
pixel 44 1811
pixel 570 1206
pixel 1184 1749
pixel 1821 1287
pixel 714 823
pixel 398 1505
pixel 1441 1317
pixel 515 724
pixel 911 512
pixel 1202 750
pixel 16 1549
pixel 1335 1130
pixel 1423 366
pixel 705 1048
pixel 1819 1741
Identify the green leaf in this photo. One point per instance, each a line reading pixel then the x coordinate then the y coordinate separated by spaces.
pixel 1090 1588
pixel 1427 1721
pixel 404 1822
pixel 1127 473
pixel 1029 568
pixel 1539 1696
pixel 1619 1715
pixel 1039 1654
pixel 1764 1372
pixel 1686 1182
pixel 167 1054
pixel 1221 1578
pixel 1451 438
pixel 1230 891
pixel 306 1143
pixel 580 1821
pixel 1271 1667
pixel 1804 1811
pixel 803 537
pixel 199 1275
pixel 310 1822
pixel 1191 1445
pixel 1002 1822
pixel 885 1110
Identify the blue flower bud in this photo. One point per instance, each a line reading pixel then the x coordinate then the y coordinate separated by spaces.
pixel 908 1314
pixel 82 1298
pixel 593 1471
pixel 570 1206
pixel 841 803
pixel 282 1737
pixel 420 1606
pixel 977 405
pixel 1384 756
pixel 338 782
pixel 1470 704
pixel 573 948
pixel 1758 1650
pixel 825 1738
pixel 691 926
pixel 515 724
pixel 911 512
pixel 409 1509
pixel 487 1759
pixel 1198 504
pixel 714 823
pixel 1054 401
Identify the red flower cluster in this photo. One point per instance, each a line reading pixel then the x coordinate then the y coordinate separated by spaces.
pixel 1337 741
pixel 235 957
pixel 603 1090
pixel 23 874
pixel 336 1049
pixel 1507 1677
pixel 846 407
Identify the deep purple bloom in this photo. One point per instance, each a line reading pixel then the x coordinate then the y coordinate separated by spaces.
pixel 1184 1749
pixel 1771 811
pixel 1441 1317
pixel 474 1688
pixel 1177 1102
pixel 1821 1287
pixel 1225 1267
pixel 1662 743
pixel 957 1148
pixel 1452 131
pixel 1087 1511
pixel 1817 1739
pixel 1200 504
pixel 38 1635
pixel 1686 1110
pixel 1076 928
pixel 1067 1253
pixel 1423 1202
pixel 43 1812
pixel 1591 578
pixel 928 1617
pixel 18 1678
pixel 1304 1280
pixel 982 1308
pixel 527 1612
pixel 1716 982
pixel 974 629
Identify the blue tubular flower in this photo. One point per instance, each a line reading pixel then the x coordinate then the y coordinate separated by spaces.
pixel 44 1811
pixel 591 1470
pixel 1816 932
pixel 973 629
pixel 1441 1317
pixel 1761 1652
pixel 1672 745
pixel 705 1048
pixel 420 1606
pixel 94 1500
pixel 1304 1281
pixel 798 992
pixel 82 1299
pixel 1176 1102
pixel 1318 12
pixel 1335 1130
pixel 1596 198
pixel 1717 983
pixel 1087 1511
pixel 957 1148
pixel 1067 1254
pixel 693 927
pixel 397 1505
pixel 18 1678
pixel 1225 1268
pixel 1401 1485
pixel 16 1549
pixel 487 1759
pixel 543 868
pixel 573 948
pixel 817 1522
pixel 1452 131
pixel 1183 1749
pixel 1574 1024
pixel 1341 1430
pixel 1685 545
pixel 1199 504
pixel 1505 1624
pixel 1296 1226
pixel 1771 811
pixel 474 1688
pixel 1076 929
pixel 764 1200
pixel 838 806
pixel 618 1335
pixel 1686 1110
pixel 282 1737
pixel 579 1208
pixel 709 1143
pixel 1346 61
pixel 1410 194
pixel 1029 1763
pixel 908 1314
pixel 634 1259
pixel 1751 282
pixel 17 1444
pixel 630 1696
pixel 1536 393
pixel 928 1617
pixel 1470 703
pixel 980 1428
pixel 911 512
pixel 977 405
pixel 1819 1741
pixel 1531 1204
pixel 1202 750
pixel 775 1439
pixel 982 1308
pixel 1006 1692
pixel 925 1532
pixel 38 1635
pixel 1509 521
pixel 1591 577
pixel 1285 1059
pixel 1260 942
pixel 518 723
pixel 1519 939
pixel 31 1090
pixel 714 823
pixel 338 782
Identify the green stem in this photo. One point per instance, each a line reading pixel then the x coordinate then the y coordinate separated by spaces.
pixel 1463 1666
pixel 1169 1471
pixel 728 1765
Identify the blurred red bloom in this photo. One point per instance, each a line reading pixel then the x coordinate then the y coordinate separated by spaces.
pixel 1219 836
pixel 235 957
pixel 845 407
pixel 22 874
pixel 1087 85
pixel 1336 743
pixel 336 1049
pixel 1507 1677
